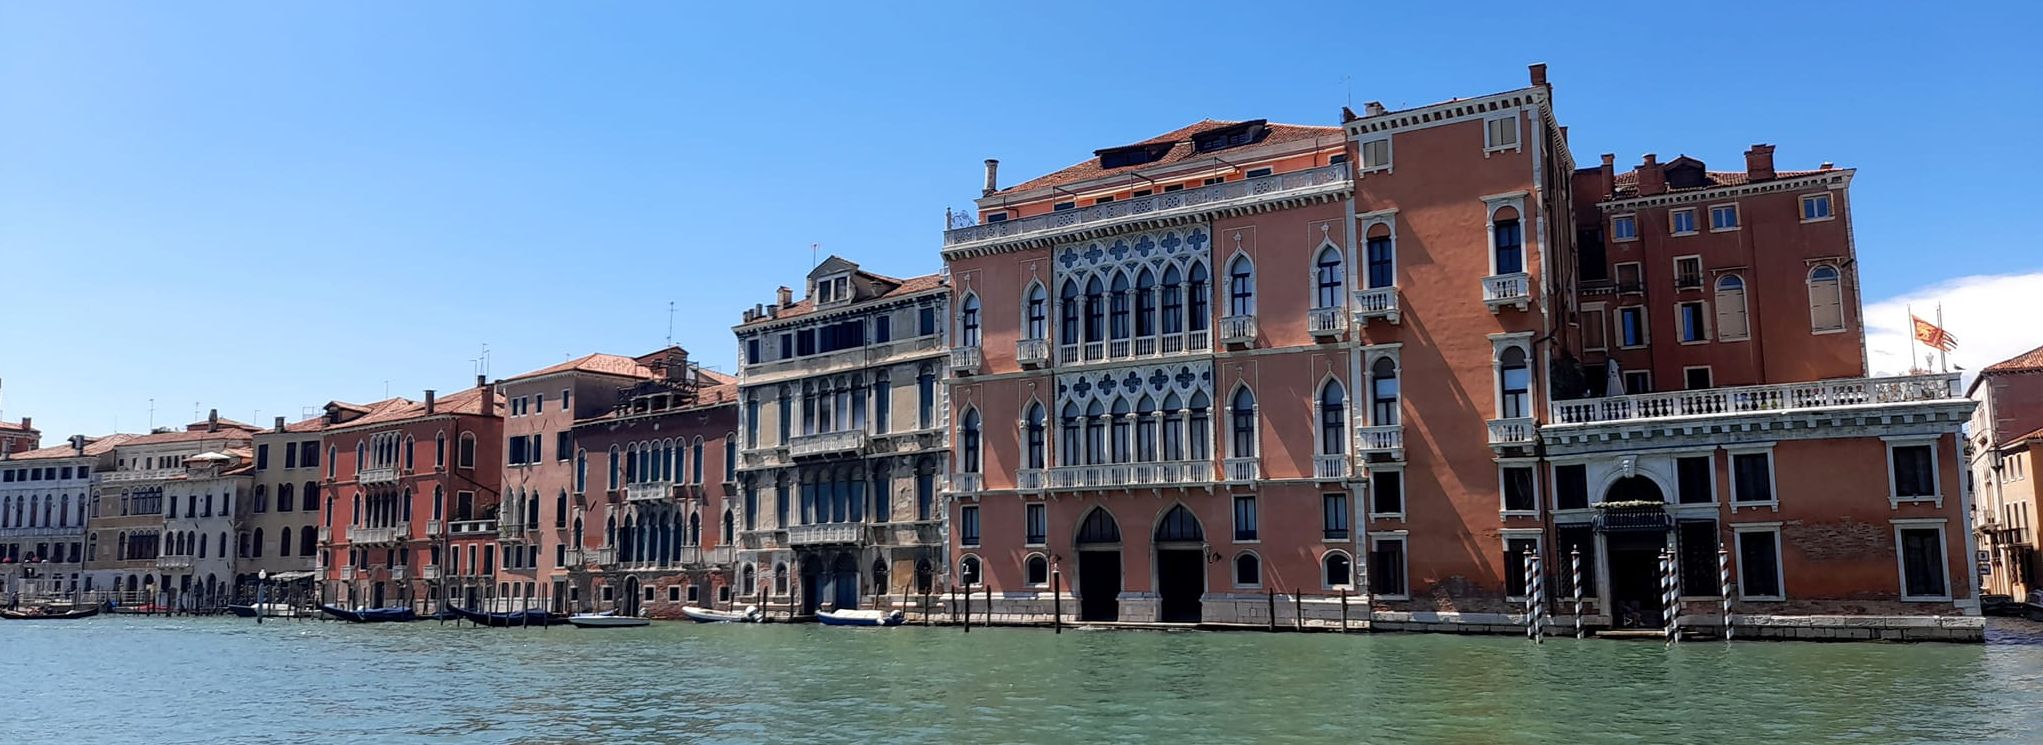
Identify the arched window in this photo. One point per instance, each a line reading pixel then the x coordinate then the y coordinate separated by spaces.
pixel 1509 241
pixel 1333 418
pixel 1036 312
pixel 695 461
pixel 310 499
pixel 1381 256
pixel 925 397
pixel 361 455
pixel 1099 527
pixel 1173 295
pixel 615 466
pixel 1095 433
pixel 1145 303
pixel 1826 299
pixel 286 502
pixel 1383 405
pixel 748 580
pixel 1179 525
pixel 968 571
pixel 1068 439
pixel 968 321
pixel 1036 570
pixel 464 457
pixel 731 457
pixel 1731 320
pixel 410 452
pixel 1241 287
pixel 1122 451
pixel 1035 436
pixel 581 471
pixel 440 450
pixel 694 528
pixel 1070 308
pixel 968 442
pixel 331 461
pixel 1199 427
pixel 729 535
pixel 262 499
pixel 284 542
pixel 1198 316
pixel 1117 324
pixel 1095 310
pixel 307 540
pixel 780 579
pixel 1514 378
pixel 1242 415
pixel 1248 570
pixel 1339 570
pixel 1328 277
pixel 255 544
pixel 1145 430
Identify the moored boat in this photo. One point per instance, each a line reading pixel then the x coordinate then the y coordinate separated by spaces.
pixel 50 613
pixel 244 611
pixel 705 615
pixel 370 615
pixel 606 620
pixel 528 617
pixel 860 618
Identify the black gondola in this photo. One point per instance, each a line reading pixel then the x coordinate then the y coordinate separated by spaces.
pixel 45 614
pixel 529 617
pixel 370 615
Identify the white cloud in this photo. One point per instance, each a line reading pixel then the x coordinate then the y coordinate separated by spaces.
pixel 1993 316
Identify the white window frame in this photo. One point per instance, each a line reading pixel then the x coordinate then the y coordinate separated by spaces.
pixel 1894 498
pixel 1780 570
pixel 1490 144
pixel 1233 526
pixel 1358 265
pixel 1602 320
pixel 1773 488
pixel 1531 464
pixel 1674 228
pixel 1705 368
pixel 1048 570
pixel 1809 287
pixel 1362 149
pixel 1624 375
pixel 1538 536
pixel 1645 327
pixel 1370 509
pixel 1025 522
pixel 1901 562
pixel 1736 221
pixel 1704 337
pixel 1829 209
pixel 1495 203
pixel 1674 457
pixel 1629 217
pixel 1403 539
pixel 1676 265
pixel 1234 570
pixel 1522 340
pixel 1354 568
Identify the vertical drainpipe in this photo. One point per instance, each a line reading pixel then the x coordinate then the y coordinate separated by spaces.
pixel 1358 510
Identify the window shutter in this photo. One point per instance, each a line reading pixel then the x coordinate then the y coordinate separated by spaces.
pixel 1825 306
pixel 1731 321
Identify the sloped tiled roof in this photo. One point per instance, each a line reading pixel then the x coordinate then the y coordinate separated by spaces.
pixel 1182 149
pixel 1626 184
pixel 225 423
pixel 2030 361
pixel 907 286
pixel 721 394
pixel 16 426
pixel 319 423
pixel 398 410
pixel 93 446
pixel 200 435
pixel 607 364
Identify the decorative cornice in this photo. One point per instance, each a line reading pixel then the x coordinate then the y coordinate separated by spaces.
pixel 1447 112
pixel 1836 179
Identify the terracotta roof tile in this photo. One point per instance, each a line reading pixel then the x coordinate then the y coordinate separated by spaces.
pixel 1181 150
pixel 165 438
pixel 2030 361
pixel 607 364
pixel 93 446
pixel 399 410
pixel 1626 184
pixel 907 286
pixel 16 426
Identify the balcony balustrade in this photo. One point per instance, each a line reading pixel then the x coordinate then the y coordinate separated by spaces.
pixel 1135 348
pixel 140 474
pixel 1388 438
pixel 649 491
pixel 471 527
pixel 825 533
pixel 398 573
pixel 1757 399
pixel 1518 431
pixel 1029 479
pixel 1242 470
pixel 347 573
pixel 45 530
pixel 1325 179
pixel 1238 330
pixel 601 556
pixel 173 562
pixel 1032 352
pixel 432 528
pixel 1123 475
pixel 429 572
pixel 1331 467
pixel 1331 321
pixel 1508 289
pixel 377 475
pixel 1377 303
pixel 386 534
pixel 325 534
pixel 849 442
pixel 965 360
pixel 967 483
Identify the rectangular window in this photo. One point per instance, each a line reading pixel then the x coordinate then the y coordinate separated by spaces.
pixel 564 399
pixel 1752 477
pixel 1724 217
pixel 883 329
pixel 1571 487
pixel 1915 471
pixel 1515 552
pixel 1209 181
pixel 1681 221
pixel 1062 206
pixel 1519 492
pixel 1638 381
pixel 1334 516
pixel 1376 155
pixel 752 351
pixel 1038 524
pixel 563 445
pixel 1815 207
pixel 1624 228
pixel 1595 330
pixel 1386 493
pixel 1257 172
pixel 1692 480
pixel 1922 564
pixel 1631 277
pixel 925 320
pixel 1387 567
pixel 1759 564
pixel 1697 543
pixel 968 525
pixel 262 458
pixel 787 346
pixel 1245 518
pixel 1501 133
pixel 1696 378
pixel 1688 272
pixel 1692 329
pixel 1631 323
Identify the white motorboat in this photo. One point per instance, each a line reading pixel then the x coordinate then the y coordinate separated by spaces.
pixel 704 615
pixel 860 617
pixel 606 620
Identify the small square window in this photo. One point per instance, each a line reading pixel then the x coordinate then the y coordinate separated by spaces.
pixel 1724 217
pixel 1062 206
pixel 996 217
pixel 1258 172
pixel 1681 222
pixel 1815 207
pixel 1376 155
pixel 1211 180
pixel 1624 228
pixel 1696 378
pixel 1104 200
pixel 1337 159
pixel 1501 133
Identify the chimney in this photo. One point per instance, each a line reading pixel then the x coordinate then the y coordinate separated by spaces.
pixel 1825 166
pixel 1652 180
pixel 783 296
pixel 28 422
pixel 280 424
pixel 1759 163
pixel 1538 70
pixel 992 178
pixel 1607 175
pixel 1564 134
pixel 1373 108
pixel 78 444
pixel 481 380
pixel 429 401
pixel 212 420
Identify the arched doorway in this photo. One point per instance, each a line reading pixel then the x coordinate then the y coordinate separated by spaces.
pixel 1634 528
pixel 628 605
pixel 844 582
pixel 1099 567
pixel 1180 566
pixel 811 581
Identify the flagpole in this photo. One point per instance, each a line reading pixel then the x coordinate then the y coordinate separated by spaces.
pixel 1911 338
pixel 1943 352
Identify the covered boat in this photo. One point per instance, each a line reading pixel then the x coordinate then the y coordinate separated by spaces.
pixel 860 617
pixel 705 615
pixel 606 620
pixel 50 613
pixel 370 615
pixel 527 617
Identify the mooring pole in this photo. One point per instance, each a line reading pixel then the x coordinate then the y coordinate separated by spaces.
pixel 1056 601
pixel 1344 610
pixel 1297 609
pixel 968 610
pixel 1724 585
pixel 1575 576
pixel 1270 599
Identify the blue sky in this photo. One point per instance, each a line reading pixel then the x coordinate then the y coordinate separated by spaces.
pixel 260 208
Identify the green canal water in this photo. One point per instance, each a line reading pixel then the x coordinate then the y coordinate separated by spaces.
pixel 185 680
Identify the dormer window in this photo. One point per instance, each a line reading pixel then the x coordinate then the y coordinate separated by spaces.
pixel 835 289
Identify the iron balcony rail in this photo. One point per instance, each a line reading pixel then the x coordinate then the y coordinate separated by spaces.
pixel 1757 399
pixel 1325 178
pixel 811 535
pixel 828 443
pixel 1380 302
pixel 1331 321
pixel 1118 475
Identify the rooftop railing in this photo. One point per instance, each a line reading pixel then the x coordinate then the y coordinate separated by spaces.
pixel 1757 399
pixel 1149 207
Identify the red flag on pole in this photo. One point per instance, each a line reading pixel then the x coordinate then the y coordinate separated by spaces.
pixel 1933 335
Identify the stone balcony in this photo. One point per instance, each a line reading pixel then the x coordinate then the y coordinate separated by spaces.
pixel 848 442
pixel 1029 479
pixel 173 562
pixel 1319 183
pixel 325 534
pixel 398 573
pixel 1242 470
pixel 40 531
pixel 965 360
pixel 907 533
pixel 377 475
pixel 383 535
pixel 825 533
pixel 1238 330
pixel 471 528
pixel 1135 348
pixel 1032 353
pixel 649 491
pixel 1757 399
pixel 1512 432
pixel 140 474
pixel 347 573
pixel 967 483
pixel 1380 302
pixel 1334 467
pixel 429 572
pixel 1387 439
pixel 1514 290
pixel 600 556
pixel 1124 475
pixel 432 528
pixel 1326 322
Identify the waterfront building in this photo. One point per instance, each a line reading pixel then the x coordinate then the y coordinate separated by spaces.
pixel 43 497
pixel 653 514
pixel 22 436
pixel 541 461
pixel 199 516
pixel 843 440
pixel 130 547
pixel 1399 357
pixel 412 490
pixel 2007 434
pixel 279 520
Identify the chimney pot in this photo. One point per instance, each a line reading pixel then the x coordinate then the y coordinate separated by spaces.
pixel 280 424
pixel 1609 159
pixel 481 380
pixel 213 420
pixel 784 296
pixel 1374 108
pixel 429 401
pixel 1651 179
pixel 992 178
pixel 1759 163
pixel 1827 165
pixel 28 422
pixel 1538 70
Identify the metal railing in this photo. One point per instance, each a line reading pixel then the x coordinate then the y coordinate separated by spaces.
pixel 1118 475
pixel 1238 330
pixel 1756 399
pixel 1242 470
pixel 1377 303
pixel 1331 178
pixel 809 535
pixel 965 359
pixel 1330 467
pixel 828 443
pixel 1326 321
pixel 1516 431
pixel 1032 352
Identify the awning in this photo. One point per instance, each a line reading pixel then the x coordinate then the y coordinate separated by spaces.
pixel 290 576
